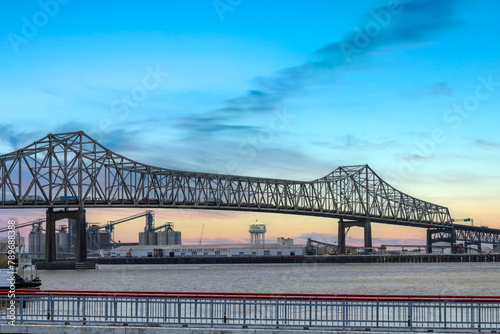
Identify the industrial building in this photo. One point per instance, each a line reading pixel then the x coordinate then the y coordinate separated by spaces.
pixel 66 239
pixel 257 233
pixel 161 241
pixel 283 247
pixel 36 242
pixel 168 244
pixel 151 237
pixel 100 237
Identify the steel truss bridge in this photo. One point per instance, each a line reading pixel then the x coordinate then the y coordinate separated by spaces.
pixel 68 171
pixel 470 235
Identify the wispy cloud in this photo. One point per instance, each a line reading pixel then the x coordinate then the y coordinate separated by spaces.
pixel 486 144
pixel 72 126
pixel 124 140
pixel 210 124
pixel 13 137
pixel 416 158
pixel 360 144
pixel 411 23
pixel 440 89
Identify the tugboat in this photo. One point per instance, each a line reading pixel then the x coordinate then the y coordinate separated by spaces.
pixel 19 282
pixel 7 272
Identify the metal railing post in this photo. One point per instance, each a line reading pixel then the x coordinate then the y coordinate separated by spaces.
pixel 310 312
pixel 479 316
pixel 165 310
pixel 51 308
pixel 196 309
pixel 178 310
pixel 78 308
pixel 244 311
pixel 84 307
pixel 410 320
pixel 344 314
pixel 225 307
pixel 378 310
pixel 115 306
pixel 444 315
pixel 472 315
pixel 106 305
pixel 21 306
pixel 285 313
pixel 211 313
pixel 147 311
pixel 277 313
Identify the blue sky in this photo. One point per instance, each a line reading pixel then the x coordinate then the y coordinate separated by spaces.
pixel 288 89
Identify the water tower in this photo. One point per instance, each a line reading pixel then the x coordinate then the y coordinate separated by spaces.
pixel 257 233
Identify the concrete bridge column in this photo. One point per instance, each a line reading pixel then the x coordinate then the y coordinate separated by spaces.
pixel 429 242
pixel 368 235
pixel 50 236
pixel 81 236
pixel 341 237
pixel 453 237
pixel 366 225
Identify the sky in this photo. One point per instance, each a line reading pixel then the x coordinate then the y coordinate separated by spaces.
pixel 280 89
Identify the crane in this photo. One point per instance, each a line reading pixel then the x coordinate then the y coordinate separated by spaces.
pixel 168 227
pixel 110 226
pixel 30 223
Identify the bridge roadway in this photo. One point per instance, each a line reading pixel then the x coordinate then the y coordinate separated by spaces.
pixel 66 171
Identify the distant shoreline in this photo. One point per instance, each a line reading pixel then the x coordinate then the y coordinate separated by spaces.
pixel 423 258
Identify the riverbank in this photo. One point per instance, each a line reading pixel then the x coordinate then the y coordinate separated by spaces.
pixel 414 258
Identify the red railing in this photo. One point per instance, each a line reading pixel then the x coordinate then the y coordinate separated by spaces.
pixel 241 295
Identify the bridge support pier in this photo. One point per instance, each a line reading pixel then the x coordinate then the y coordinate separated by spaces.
pixel 428 244
pixel 366 225
pixel 368 236
pixel 81 237
pixel 50 236
pixel 443 235
pixel 341 237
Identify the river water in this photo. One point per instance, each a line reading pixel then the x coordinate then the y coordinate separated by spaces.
pixel 377 278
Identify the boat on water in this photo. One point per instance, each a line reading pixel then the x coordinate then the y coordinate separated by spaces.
pixel 19 282
pixel 8 276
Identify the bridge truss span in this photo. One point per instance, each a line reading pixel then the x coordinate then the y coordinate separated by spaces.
pixel 71 170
